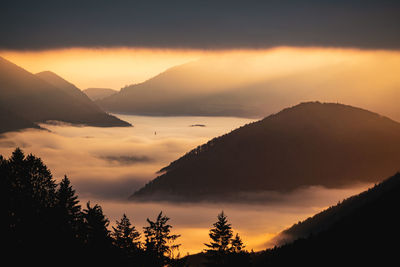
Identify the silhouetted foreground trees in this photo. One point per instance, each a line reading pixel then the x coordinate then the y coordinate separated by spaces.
pixel 43 222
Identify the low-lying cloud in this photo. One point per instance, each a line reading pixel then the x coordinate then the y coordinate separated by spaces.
pixel 256 222
pixel 106 189
pixel 67 150
pixel 126 160
pixel 112 163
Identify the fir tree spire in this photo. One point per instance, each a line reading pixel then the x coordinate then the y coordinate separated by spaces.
pixel 220 235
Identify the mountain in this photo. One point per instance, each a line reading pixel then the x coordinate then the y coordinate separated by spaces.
pixel 255 85
pixel 201 87
pixel 363 229
pixel 48 97
pixel 10 121
pixel 328 218
pixel 99 93
pixel 66 87
pixel 326 144
pixel 81 98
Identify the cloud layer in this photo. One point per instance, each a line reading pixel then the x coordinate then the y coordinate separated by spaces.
pixel 199 24
pixel 84 153
pixel 111 163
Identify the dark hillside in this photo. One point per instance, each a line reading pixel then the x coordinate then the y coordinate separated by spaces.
pixel 331 145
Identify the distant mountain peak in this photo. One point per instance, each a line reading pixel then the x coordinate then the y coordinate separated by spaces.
pixel 46 96
pixel 56 80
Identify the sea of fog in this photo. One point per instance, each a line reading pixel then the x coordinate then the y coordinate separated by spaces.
pixel 106 165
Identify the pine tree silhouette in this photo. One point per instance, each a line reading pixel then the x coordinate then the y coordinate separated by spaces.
pixel 237 244
pixel 223 250
pixel 30 189
pixel 68 204
pixel 126 237
pixel 159 242
pixel 97 236
pixel 69 216
pixel 220 235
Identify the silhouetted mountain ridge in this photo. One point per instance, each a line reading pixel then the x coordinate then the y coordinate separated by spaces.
pixel 46 96
pixel 363 229
pixel 67 87
pixel 309 144
pixel 334 214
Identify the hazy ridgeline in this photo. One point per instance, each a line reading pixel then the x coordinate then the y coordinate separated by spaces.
pixel 27 99
pixel 256 83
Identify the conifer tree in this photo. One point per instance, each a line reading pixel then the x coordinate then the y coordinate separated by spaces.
pixel 41 182
pixel 158 240
pixel 68 210
pixel 237 244
pixel 125 235
pixel 30 188
pixel 31 181
pixel 220 235
pixel 97 233
pixel 66 199
pixel 223 250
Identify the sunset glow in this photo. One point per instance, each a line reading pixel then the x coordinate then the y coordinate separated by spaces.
pixel 117 67
pixel 101 68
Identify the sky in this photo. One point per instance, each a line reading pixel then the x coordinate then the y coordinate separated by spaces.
pixel 111 44
pixel 206 24
pixel 121 66
pixel 101 67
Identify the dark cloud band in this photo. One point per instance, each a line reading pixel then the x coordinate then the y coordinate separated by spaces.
pixel 127 160
pixel 199 24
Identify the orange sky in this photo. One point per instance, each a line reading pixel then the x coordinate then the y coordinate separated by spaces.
pixel 117 67
pixel 104 68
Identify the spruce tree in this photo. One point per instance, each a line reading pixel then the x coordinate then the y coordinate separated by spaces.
pixel 237 244
pixel 223 250
pixel 125 236
pixel 97 233
pixel 158 240
pixel 30 188
pixel 41 182
pixel 67 200
pixel 220 235
pixel 68 211
pixel 31 181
